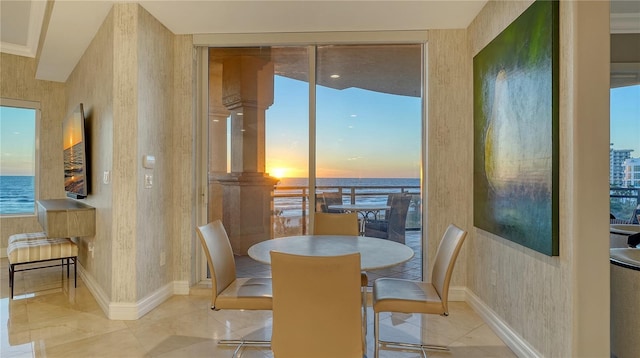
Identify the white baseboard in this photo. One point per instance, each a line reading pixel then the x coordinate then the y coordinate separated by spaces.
pixel 100 296
pixel 144 305
pixel 517 344
pixel 132 311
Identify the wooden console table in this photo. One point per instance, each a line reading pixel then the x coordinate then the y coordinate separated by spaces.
pixel 66 218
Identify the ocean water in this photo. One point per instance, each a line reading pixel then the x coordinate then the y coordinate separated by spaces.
pixel 17 194
pixel 289 202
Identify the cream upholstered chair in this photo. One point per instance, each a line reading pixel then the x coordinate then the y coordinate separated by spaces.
pixel 343 224
pixel 336 224
pixel 229 292
pixel 316 318
pixel 408 296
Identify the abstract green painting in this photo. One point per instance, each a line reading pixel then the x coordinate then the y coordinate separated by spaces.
pixel 515 91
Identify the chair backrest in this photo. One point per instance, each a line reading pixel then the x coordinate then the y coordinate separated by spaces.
pixel 321 206
pixel 397 215
pixel 217 248
pixel 319 317
pixel 330 198
pixel 336 224
pixel 446 256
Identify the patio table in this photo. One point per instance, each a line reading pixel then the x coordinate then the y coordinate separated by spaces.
pixel 364 210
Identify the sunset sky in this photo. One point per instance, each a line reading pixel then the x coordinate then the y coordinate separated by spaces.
pixel 360 133
pixel 17 141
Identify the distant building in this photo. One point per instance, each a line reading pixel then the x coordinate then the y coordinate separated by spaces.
pixel 616 168
pixel 631 172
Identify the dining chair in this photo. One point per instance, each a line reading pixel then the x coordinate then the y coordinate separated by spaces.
pixel 316 318
pixel 409 296
pixel 393 226
pixel 228 291
pixel 336 224
pixel 343 224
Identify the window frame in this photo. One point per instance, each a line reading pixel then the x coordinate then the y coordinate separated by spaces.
pixel 26 104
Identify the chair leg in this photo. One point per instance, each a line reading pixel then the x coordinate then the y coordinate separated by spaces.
pixel 241 343
pixel 244 342
pixel 364 319
pixel 376 334
pixel 378 342
pixel 11 273
pixel 420 346
pixel 364 308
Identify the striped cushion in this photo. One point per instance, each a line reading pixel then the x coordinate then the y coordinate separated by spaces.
pixel 37 249
pixel 27 236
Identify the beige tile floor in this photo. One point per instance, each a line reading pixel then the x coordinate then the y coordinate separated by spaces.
pixel 51 318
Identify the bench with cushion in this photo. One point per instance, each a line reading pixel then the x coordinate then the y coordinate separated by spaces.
pixel 36 247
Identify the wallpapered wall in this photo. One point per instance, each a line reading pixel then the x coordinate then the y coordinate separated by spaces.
pixel 126 79
pixel 18 82
pixel 542 298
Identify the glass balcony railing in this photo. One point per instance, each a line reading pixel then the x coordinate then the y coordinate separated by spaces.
pixel 624 202
pixel 291 205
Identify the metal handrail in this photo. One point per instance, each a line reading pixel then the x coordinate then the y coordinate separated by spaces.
pixel 625 193
pixel 630 190
pixel 352 191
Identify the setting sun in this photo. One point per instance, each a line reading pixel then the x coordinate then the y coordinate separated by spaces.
pixel 278 172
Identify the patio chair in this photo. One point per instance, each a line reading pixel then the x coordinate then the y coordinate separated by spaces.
pixel 324 200
pixel 393 226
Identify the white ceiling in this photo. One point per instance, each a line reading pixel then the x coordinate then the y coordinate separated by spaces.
pixel 74 23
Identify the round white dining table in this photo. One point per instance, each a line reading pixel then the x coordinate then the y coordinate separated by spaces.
pixel 374 253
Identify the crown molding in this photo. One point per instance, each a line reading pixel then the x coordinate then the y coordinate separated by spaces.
pixel 36 15
pixel 625 23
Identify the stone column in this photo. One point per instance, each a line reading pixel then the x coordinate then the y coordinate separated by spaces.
pixel 217 160
pixel 247 92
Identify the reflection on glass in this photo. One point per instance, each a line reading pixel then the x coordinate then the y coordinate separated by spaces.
pixel 368 134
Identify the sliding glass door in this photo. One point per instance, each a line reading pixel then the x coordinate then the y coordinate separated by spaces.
pixel 292 128
pixel 368 140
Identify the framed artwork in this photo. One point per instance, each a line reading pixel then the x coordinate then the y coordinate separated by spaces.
pixel 515 113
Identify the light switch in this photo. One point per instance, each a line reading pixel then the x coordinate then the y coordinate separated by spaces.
pixel 148 161
pixel 106 177
pixel 148 181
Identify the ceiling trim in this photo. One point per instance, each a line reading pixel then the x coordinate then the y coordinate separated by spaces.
pixel 36 15
pixel 625 23
pixel 306 38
